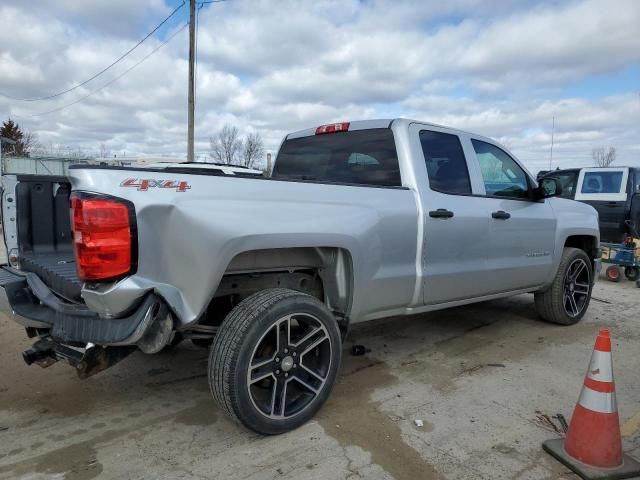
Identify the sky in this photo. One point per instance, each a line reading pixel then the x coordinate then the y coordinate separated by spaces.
pixel 504 69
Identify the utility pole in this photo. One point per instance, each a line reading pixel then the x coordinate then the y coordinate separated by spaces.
pixel 192 56
pixel 553 128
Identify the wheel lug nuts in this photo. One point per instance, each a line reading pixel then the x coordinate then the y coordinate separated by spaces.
pixel 277 359
pixel 294 354
pixel 286 350
pixel 277 372
pixel 295 365
pixel 286 374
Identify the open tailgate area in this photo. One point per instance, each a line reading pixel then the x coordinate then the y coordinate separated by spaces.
pixel 43 227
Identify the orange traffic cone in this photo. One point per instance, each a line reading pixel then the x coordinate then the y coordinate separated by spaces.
pixel 593 446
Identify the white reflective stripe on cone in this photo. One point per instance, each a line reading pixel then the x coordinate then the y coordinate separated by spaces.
pixel 598 401
pixel 601 367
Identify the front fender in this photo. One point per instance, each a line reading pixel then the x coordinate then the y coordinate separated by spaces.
pixel 575 219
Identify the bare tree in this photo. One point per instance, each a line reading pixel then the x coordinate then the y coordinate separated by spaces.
pixel 602 157
pixel 30 143
pixel 226 145
pixel 253 149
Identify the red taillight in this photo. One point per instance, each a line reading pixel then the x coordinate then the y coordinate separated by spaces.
pixel 103 237
pixel 333 128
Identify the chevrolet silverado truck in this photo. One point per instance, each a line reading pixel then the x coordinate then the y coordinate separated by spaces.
pixel 358 221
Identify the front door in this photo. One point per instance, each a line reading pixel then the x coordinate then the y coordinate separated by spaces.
pixel 521 230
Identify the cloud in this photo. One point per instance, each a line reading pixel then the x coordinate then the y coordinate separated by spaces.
pixel 525 127
pixel 500 68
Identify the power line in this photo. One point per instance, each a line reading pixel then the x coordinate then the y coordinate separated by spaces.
pixel 118 60
pixel 116 78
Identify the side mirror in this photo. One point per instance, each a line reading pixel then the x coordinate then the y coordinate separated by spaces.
pixel 549 187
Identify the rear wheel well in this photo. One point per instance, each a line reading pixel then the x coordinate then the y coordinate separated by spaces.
pixel 322 272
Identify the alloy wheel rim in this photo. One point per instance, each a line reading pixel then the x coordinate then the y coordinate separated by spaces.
pixel 576 287
pixel 289 366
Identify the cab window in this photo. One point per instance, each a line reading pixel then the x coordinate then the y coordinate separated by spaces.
pixel 359 157
pixel 446 164
pixel 502 176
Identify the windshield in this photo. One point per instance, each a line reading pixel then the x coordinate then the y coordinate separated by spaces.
pixel 361 157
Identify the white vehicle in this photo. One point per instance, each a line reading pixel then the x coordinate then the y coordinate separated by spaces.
pixel 613 191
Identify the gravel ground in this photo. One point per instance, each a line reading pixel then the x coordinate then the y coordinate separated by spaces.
pixel 481 378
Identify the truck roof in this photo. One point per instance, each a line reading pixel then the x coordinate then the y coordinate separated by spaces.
pixel 377 123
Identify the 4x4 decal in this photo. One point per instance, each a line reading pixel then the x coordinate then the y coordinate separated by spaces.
pixel 144 185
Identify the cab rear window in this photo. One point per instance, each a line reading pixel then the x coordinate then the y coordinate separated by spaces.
pixel 359 157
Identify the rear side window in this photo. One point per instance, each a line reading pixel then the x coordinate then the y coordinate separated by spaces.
pixel 446 165
pixel 602 182
pixel 360 157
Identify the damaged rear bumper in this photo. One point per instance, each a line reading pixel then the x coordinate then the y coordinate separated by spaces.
pixel 32 304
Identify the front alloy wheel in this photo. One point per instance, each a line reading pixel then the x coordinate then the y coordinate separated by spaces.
pixel 577 287
pixel 566 300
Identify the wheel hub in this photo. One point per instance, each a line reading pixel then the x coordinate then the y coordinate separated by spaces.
pixel 287 363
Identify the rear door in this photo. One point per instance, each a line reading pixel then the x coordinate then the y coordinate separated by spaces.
pixel 521 230
pixel 456 232
pixel 605 189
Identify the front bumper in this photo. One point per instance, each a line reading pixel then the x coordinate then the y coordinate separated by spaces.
pixel 32 304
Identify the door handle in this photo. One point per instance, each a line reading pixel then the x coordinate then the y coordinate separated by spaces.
pixel 501 215
pixel 441 213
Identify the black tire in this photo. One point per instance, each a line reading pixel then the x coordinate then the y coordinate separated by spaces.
pixel 632 273
pixel 253 335
pixel 555 304
pixel 613 273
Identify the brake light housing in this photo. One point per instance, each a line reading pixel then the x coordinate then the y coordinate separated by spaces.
pixel 105 239
pixel 332 128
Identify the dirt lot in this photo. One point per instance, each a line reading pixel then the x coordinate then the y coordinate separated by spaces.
pixel 479 377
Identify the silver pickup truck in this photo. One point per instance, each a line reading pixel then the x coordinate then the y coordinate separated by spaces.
pixel 358 221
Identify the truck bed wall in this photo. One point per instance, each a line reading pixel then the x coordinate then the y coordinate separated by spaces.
pixel 187 239
pixel 43 221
